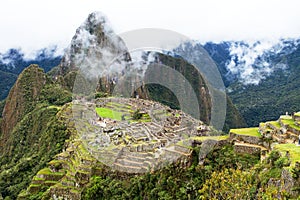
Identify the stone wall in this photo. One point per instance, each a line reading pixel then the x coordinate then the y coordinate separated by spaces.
pixel 293 130
pixel 296 118
pixel 182 149
pixel 247 149
pixel 57 193
pixel 245 138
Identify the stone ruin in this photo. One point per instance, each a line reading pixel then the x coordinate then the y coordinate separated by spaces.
pixel 136 146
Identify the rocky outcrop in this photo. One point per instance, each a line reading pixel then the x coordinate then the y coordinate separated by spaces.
pixel 94 45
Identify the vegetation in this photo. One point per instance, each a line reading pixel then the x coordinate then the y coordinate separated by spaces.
pixel 276 95
pixel 172 182
pixel 38 135
pixel 116 111
pixel 273 96
pixel 275 123
pixel 290 122
pixel 36 140
pixel 165 96
pixel 224 175
pixel 137 115
pixel 247 131
pixel 294 151
pixel 109 113
pixel 9 72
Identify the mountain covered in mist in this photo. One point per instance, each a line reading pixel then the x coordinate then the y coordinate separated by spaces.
pixel 261 77
pixel 261 70
pixel 14 61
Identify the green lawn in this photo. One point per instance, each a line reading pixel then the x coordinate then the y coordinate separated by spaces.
pixel 292 148
pixel 109 113
pixel 246 131
pixel 116 115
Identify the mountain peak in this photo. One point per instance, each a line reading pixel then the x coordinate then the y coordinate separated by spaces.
pixel 93 47
pixel 22 97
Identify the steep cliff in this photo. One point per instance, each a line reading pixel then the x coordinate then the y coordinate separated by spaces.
pixel 22 98
pixel 32 130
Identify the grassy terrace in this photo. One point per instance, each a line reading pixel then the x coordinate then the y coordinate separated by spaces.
pixel 109 113
pixel 275 123
pixel 285 117
pixel 246 131
pixel 297 114
pixel 291 123
pixel 203 138
pixel 118 105
pixel 47 171
pixel 117 115
pixel 221 137
pixel 292 148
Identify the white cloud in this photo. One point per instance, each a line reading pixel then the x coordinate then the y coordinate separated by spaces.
pixel 34 24
pixel 250 60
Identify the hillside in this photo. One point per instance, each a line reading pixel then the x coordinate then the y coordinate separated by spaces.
pixel 32 131
pixel 274 72
pixel 13 62
pixel 110 156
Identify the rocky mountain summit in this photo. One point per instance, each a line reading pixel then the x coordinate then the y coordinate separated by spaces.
pixel 93 47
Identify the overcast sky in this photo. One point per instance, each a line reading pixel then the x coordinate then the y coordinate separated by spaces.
pixel 33 24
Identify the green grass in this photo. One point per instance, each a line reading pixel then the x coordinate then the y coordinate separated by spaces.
pixel 297 114
pixel 115 104
pixel 262 124
pixel 247 131
pixel 291 123
pixel 292 148
pixel 109 113
pixel 275 123
pixel 116 115
pixel 47 171
pixel 285 117
pixel 221 137
pixel 50 182
pixel 38 179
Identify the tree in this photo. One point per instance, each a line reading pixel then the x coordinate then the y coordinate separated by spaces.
pixel 228 184
pixel 137 115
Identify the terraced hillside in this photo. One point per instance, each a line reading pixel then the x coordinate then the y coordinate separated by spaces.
pixel 118 136
pixel 135 135
pixel 128 137
pixel 282 134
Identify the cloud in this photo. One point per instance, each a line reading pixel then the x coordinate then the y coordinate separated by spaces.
pixel 35 24
pixel 14 55
pixel 251 61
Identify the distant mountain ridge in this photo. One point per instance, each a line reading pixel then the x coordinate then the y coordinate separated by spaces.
pixel 263 82
pixel 14 61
